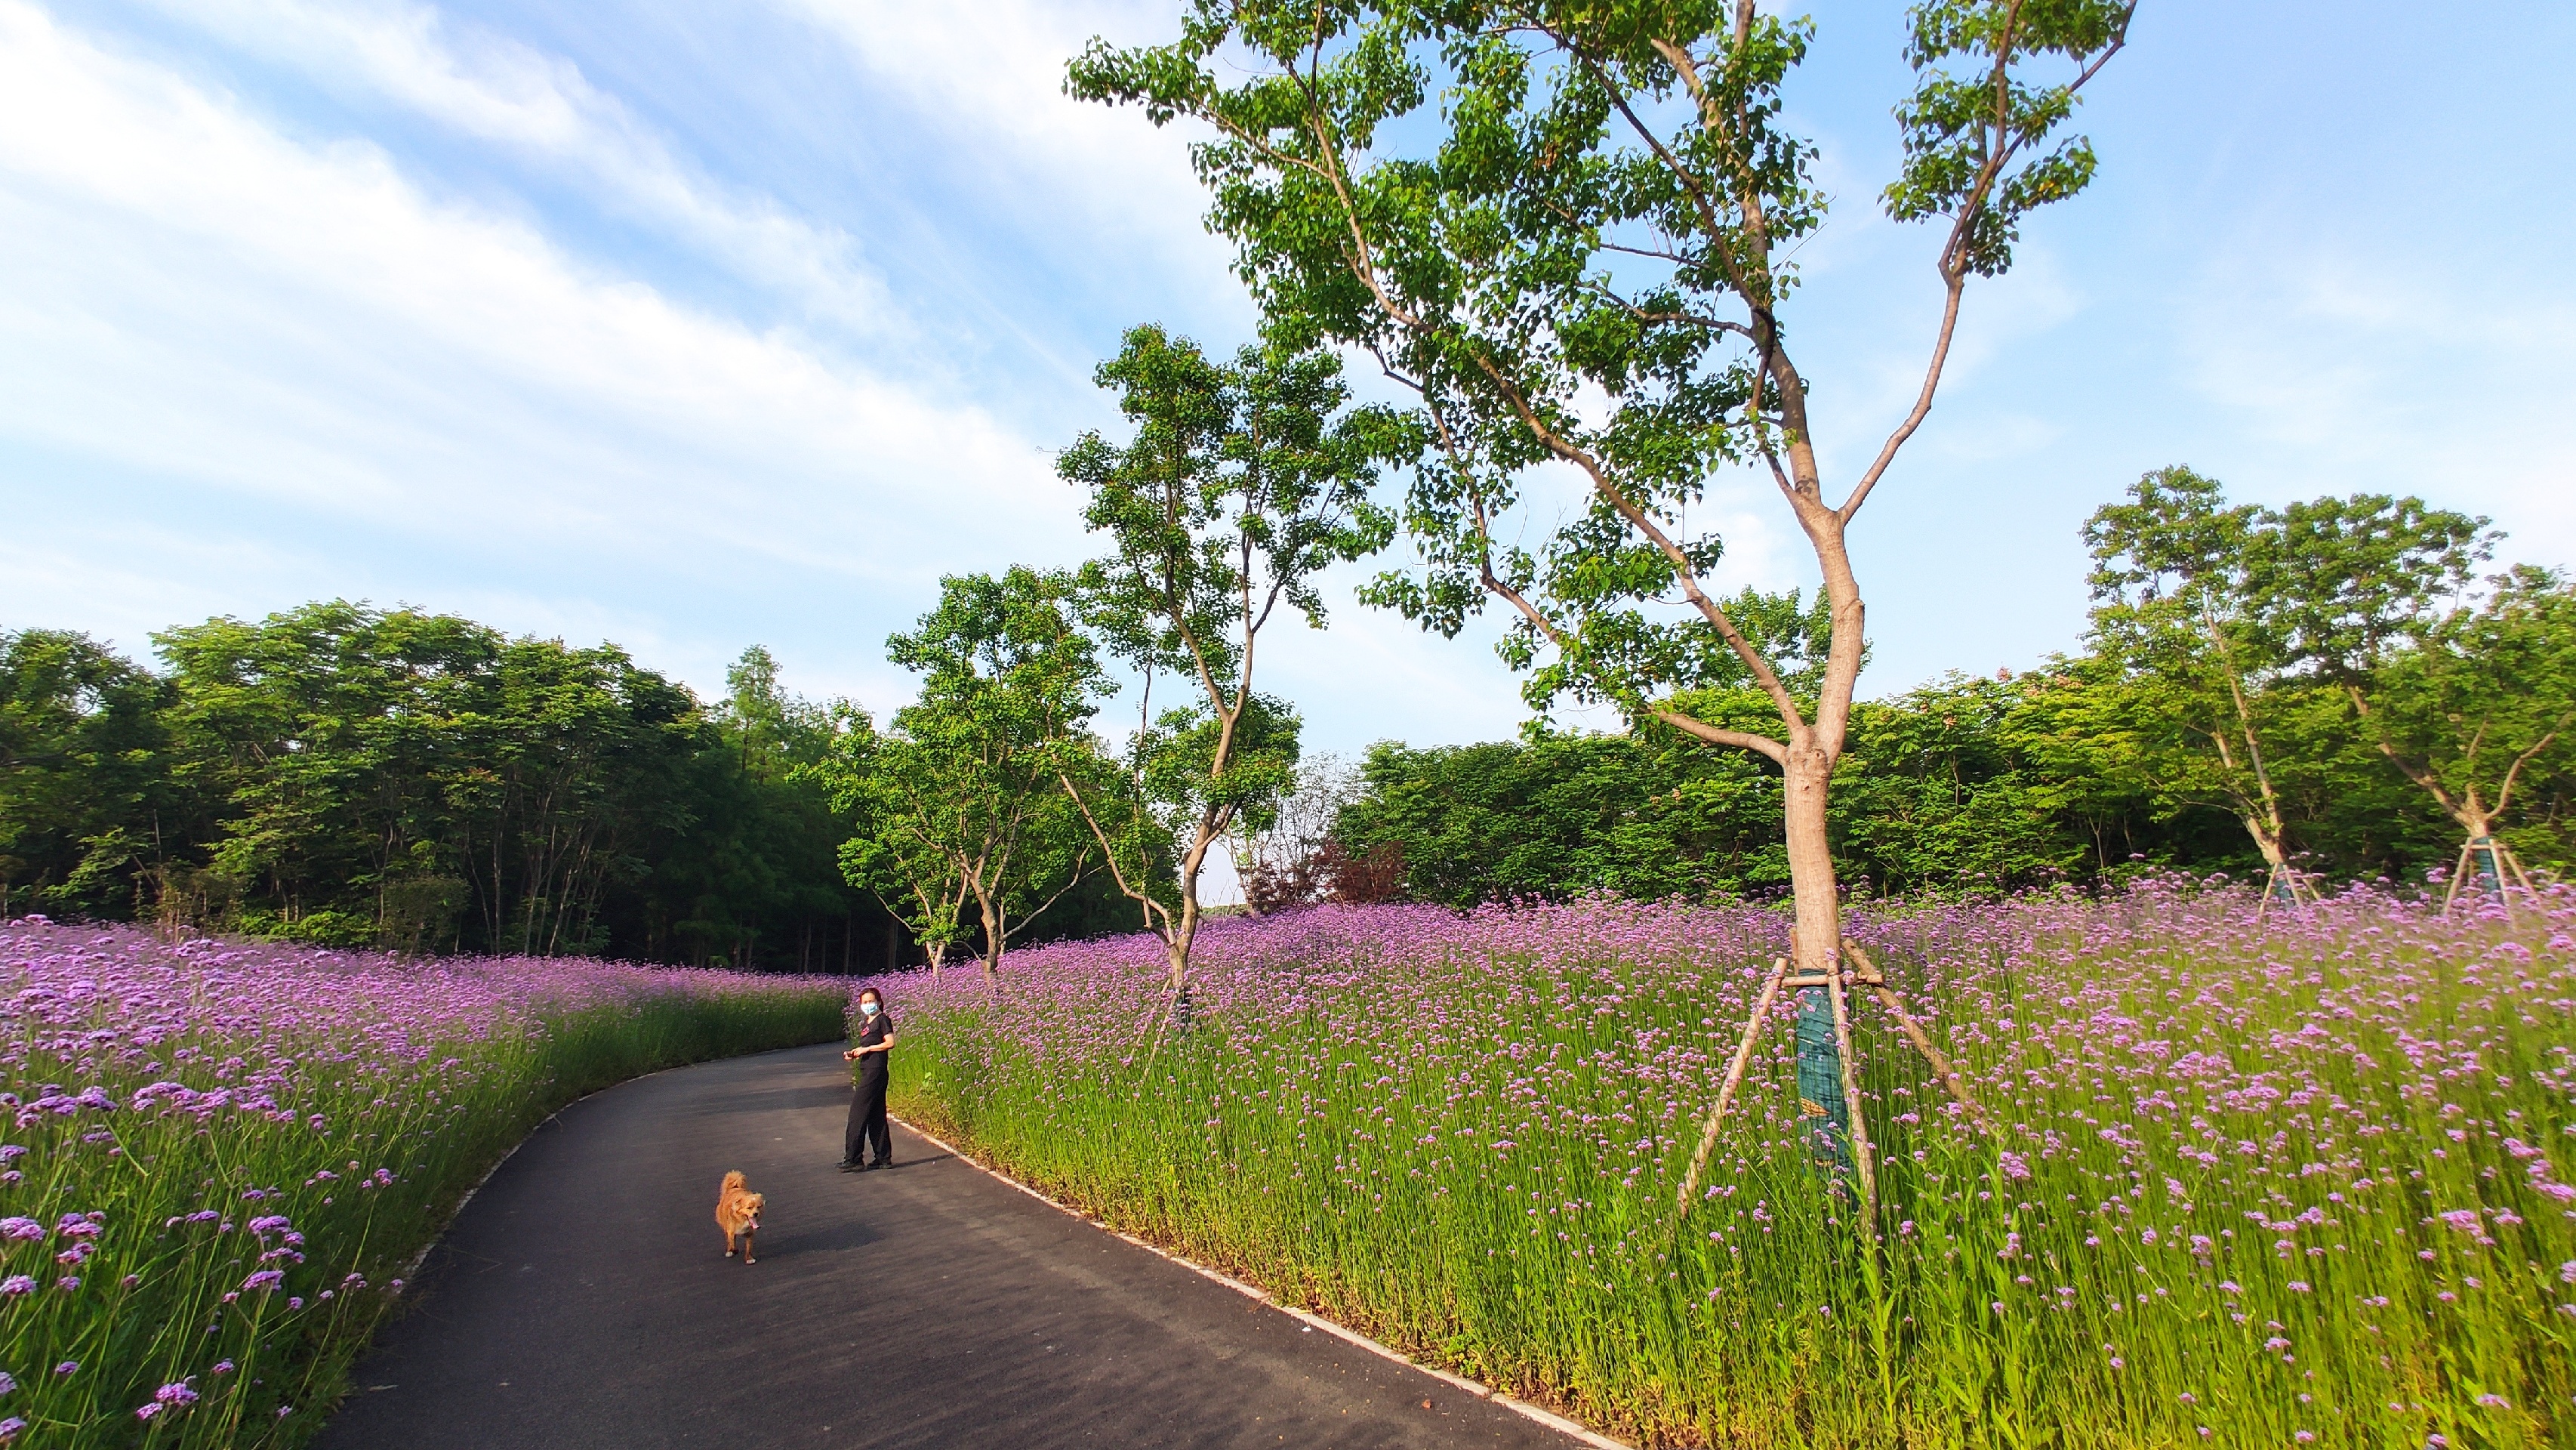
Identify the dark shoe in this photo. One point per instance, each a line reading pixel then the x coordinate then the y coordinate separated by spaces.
pixel 882 1163
pixel 852 1166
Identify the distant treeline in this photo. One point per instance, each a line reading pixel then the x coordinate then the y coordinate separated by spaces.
pixel 350 776
pixel 1968 784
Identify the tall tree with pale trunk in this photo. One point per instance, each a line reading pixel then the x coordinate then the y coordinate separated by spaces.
pixel 2178 612
pixel 1242 483
pixel 1569 231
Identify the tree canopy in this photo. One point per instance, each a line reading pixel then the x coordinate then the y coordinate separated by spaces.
pixel 354 776
pixel 1243 481
pixel 961 804
pixel 1570 231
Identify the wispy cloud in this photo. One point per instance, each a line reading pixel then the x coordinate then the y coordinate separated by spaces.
pixel 2349 370
pixel 302 328
pixel 496 89
pixel 1089 196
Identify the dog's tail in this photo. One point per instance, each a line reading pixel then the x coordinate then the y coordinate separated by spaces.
pixel 732 1181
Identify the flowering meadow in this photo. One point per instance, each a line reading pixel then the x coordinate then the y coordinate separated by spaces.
pixel 2303 1180
pixel 220 1157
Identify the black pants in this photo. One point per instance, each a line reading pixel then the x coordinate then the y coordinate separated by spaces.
pixel 868 1121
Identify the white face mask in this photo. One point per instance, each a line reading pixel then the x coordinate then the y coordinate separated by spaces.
pixel 868 1008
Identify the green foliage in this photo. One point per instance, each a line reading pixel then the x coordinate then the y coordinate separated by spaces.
pixel 1975 127
pixel 345 775
pixel 1522 208
pixel 2343 580
pixel 752 865
pixel 356 752
pixel 84 776
pixel 2239 632
pixel 2477 712
pixel 1963 786
pixel 1243 482
pixel 964 802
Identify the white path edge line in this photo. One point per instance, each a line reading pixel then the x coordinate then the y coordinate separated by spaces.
pixel 1480 1390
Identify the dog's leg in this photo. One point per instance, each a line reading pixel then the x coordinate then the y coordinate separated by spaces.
pixel 746 1246
pixel 728 1243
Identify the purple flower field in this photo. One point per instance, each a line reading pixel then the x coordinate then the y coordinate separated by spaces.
pixel 2307 1180
pixel 217 1159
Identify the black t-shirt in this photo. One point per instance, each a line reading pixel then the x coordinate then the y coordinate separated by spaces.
pixel 872 1031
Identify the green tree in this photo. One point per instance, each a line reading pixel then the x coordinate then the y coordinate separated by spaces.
pixel 904 822
pixel 344 774
pixel 1242 483
pixel 410 779
pixel 84 776
pixel 1578 256
pixel 2238 627
pixel 1558 815
pixel 327 736
pixel 748 871
pixel 2178 611
pixel 962 802
pixel 575 758
pixel 1943 792
pixel 2480 706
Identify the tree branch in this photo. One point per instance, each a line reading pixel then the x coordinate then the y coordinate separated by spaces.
pixel 1957 285
pixel 1762 745
pixel 2504 794
pixel 1109 854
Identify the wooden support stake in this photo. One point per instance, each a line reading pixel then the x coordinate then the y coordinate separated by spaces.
pixel 1921 1039
pixel 1171 1007
pixel 2518 873
pixel 1869 978
pixel 1734 1077
pixel 2300 895
pixel 2458 872
pixel 2501 857
pixel 1863 1155
pixel 1851 1107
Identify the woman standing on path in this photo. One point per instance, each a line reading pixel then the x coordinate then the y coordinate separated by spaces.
pixel 868 1109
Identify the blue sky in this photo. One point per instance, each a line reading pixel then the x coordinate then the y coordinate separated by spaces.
pixel 692 327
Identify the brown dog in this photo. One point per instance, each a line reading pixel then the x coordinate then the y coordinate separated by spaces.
pixel 738 1213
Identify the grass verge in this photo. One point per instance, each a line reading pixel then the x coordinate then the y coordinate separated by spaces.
pixel 218 1155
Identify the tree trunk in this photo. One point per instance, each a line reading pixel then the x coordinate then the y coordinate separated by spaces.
pixel 1182 930
pixel 997 925
pixel 2266 840
pixel 1806 776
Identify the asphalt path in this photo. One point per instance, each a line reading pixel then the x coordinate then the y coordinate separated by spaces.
pixel 583 1299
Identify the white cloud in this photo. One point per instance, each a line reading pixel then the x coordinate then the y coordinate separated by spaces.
pixel 2347 371
pixel 230 305
pixel 990 76
pixel 495 89
pixel 123 576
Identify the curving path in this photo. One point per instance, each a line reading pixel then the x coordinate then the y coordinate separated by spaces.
pixel 582 1300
